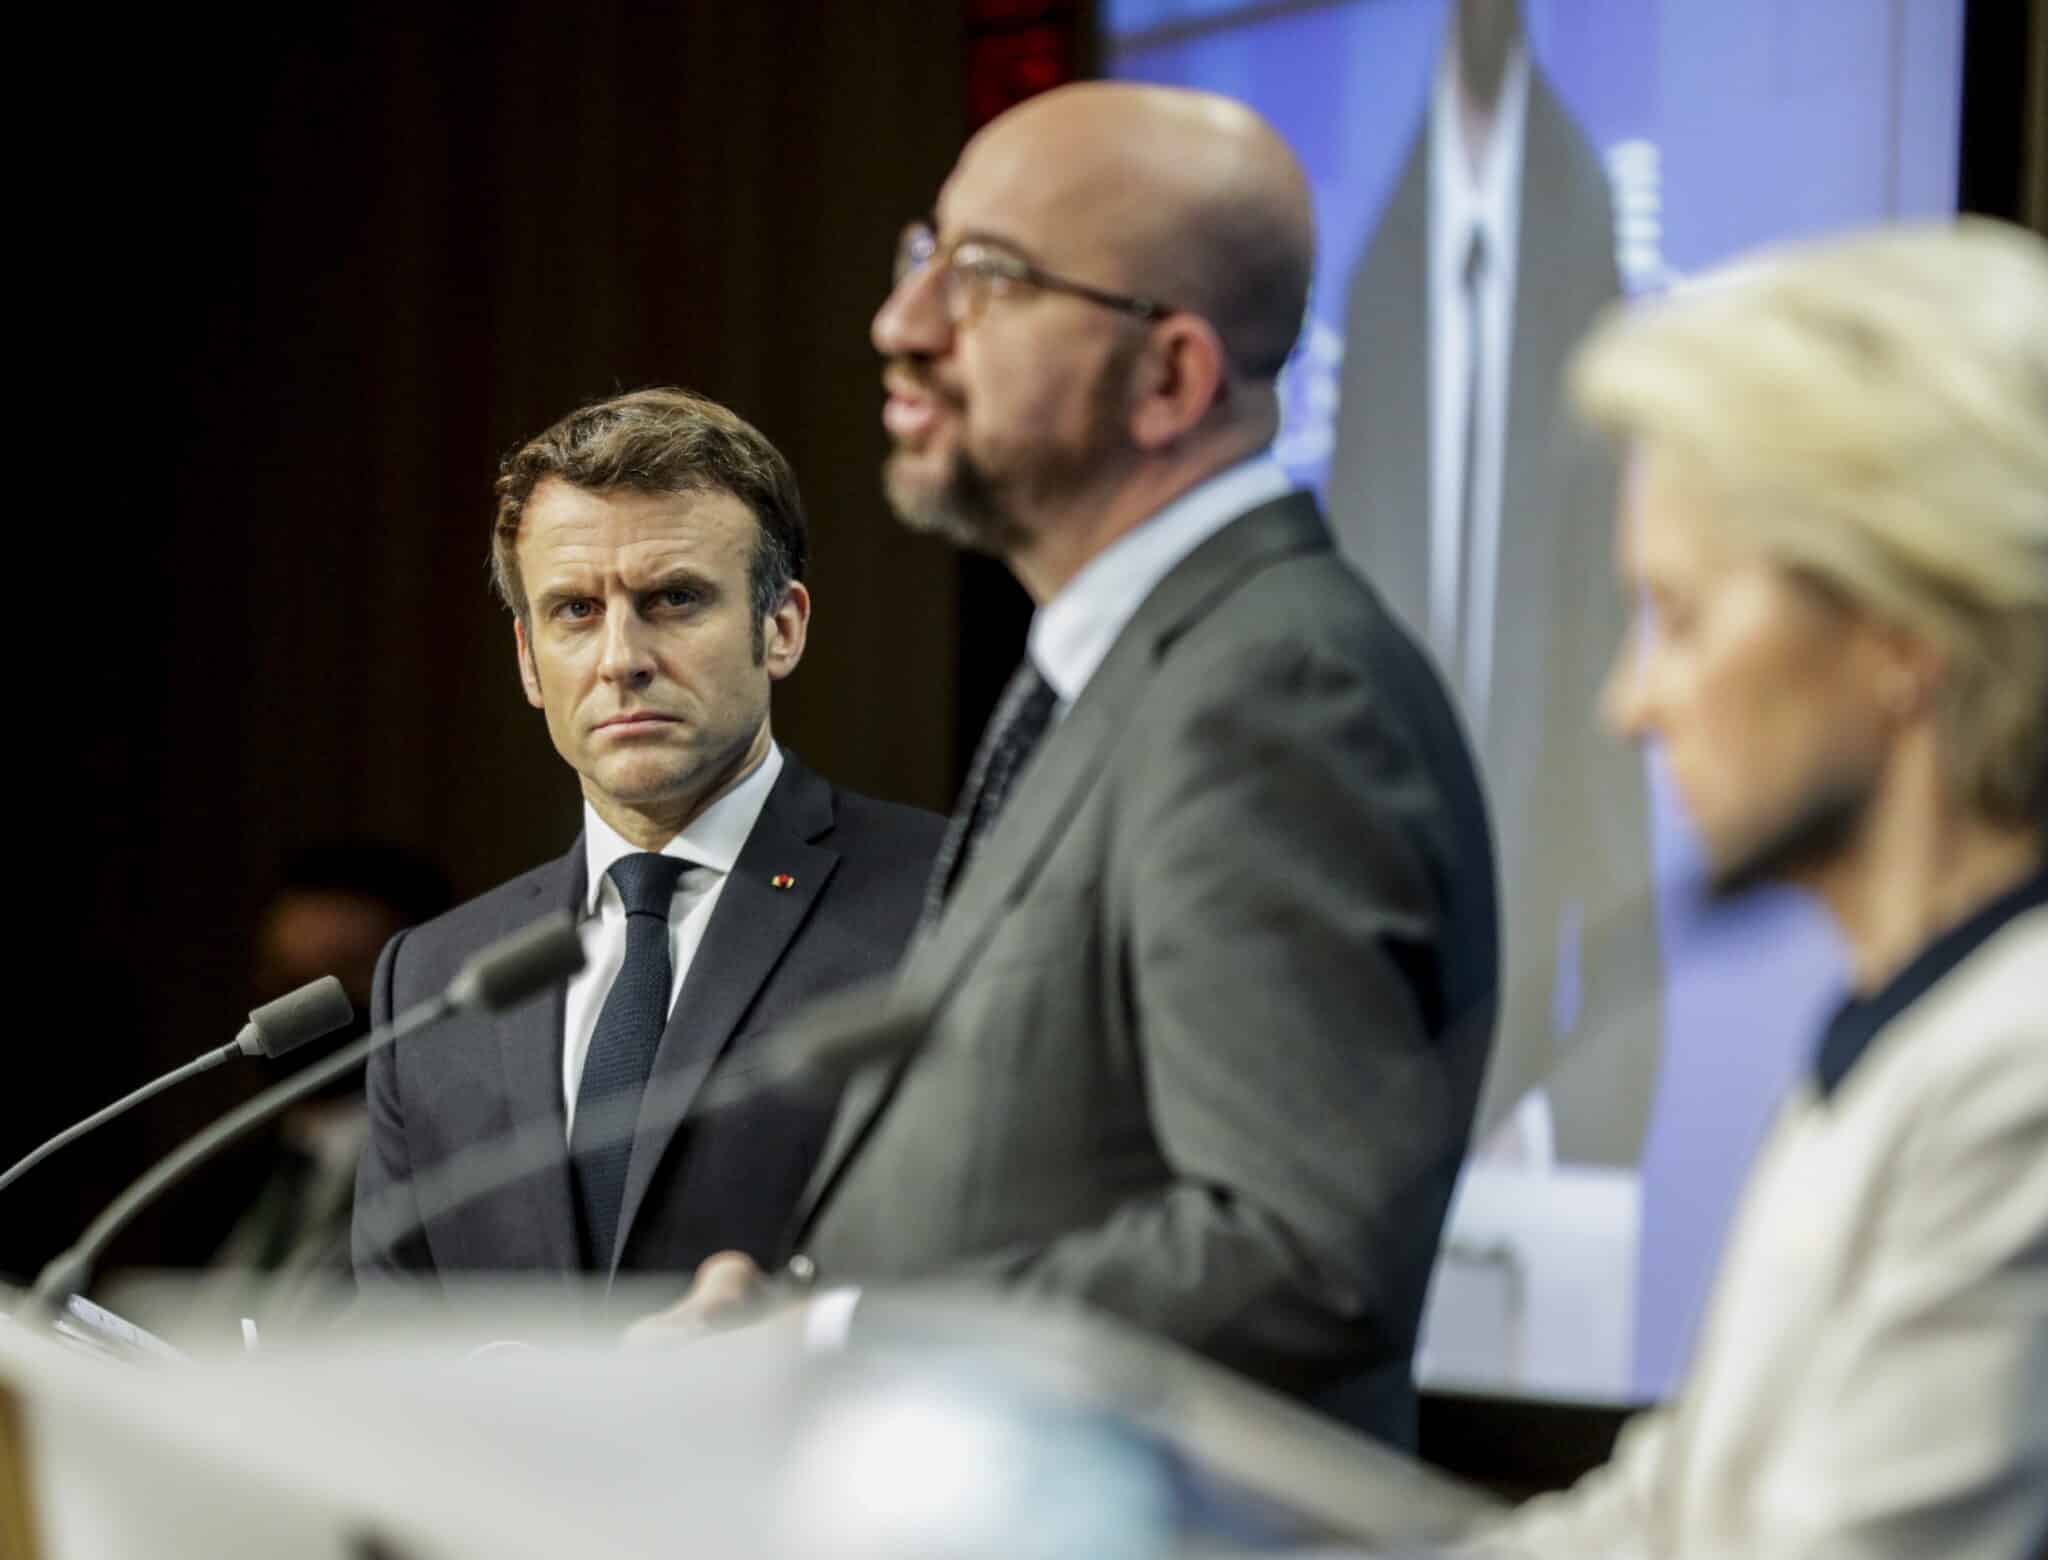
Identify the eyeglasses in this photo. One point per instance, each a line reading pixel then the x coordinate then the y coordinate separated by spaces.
pixel 971 272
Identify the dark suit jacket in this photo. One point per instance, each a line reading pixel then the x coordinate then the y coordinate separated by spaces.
pixel 1569 806
pixel 1207 1012
pixel 723 1179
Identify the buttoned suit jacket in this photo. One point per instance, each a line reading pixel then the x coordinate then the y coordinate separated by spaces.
pixel 1204 1017
pixel 728 1178
pixel 1570 808
pixel 1871 1378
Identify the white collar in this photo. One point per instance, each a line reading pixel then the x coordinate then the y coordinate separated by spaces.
pixel 1487 201
pixel 713 839
pixel 1072 633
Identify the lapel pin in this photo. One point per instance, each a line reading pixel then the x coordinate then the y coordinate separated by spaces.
pixel 782 880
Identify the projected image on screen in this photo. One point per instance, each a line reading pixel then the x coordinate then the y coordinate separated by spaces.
pixel 1489 175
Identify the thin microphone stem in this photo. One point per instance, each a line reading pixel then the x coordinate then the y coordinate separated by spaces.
pixel 150 1090
pixel 483 1168
pixel 480 1169
pixel 70 1272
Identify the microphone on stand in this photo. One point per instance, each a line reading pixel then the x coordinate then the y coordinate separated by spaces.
pixel 297 1018
pixel 528 961
pixel 816 1052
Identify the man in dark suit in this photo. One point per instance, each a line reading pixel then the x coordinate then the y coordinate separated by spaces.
pixel 1481 513
pixel 1207 990
pixel 651 549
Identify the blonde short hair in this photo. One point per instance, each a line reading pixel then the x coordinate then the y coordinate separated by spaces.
pixel 1872 411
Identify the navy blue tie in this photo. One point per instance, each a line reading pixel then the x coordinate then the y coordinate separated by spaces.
pixel 622 1050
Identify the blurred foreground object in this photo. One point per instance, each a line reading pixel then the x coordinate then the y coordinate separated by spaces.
pixel 953 1427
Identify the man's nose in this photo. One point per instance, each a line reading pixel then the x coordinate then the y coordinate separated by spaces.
pixel 912 321
pixel 628 649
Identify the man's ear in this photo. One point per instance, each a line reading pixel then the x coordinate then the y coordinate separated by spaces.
pixel 785 630
pixel 1179 377
pixel 529 673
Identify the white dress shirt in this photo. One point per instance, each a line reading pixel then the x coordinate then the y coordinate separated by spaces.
pixel 1072 633
pixel 1460 202
pixel 711 844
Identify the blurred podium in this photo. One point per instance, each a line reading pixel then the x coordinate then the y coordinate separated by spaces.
pixel 507 1422
pixel 1534 1291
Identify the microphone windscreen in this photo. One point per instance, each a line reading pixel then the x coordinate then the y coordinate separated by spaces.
pixel 530 960
pixel 318 1008
pixel 836 1036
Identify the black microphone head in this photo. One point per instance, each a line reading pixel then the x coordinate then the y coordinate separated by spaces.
pixel 530 960
pixel 318 1008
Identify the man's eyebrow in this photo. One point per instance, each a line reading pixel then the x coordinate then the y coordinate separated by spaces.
pixel 676 578
pixel 561 590
pixel 988 240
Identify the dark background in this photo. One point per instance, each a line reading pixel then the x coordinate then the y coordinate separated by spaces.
pixel 300 281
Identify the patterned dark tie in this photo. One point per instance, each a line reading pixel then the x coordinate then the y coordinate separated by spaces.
pixel 1022 717
pixel 622 1049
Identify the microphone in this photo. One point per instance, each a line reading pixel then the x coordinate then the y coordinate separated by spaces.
pixel 507 972
pixel 827 1042
pixel 297 1018
pixel 818 1050
pixel 518 965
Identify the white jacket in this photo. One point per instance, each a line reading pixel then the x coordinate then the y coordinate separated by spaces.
pixel 1872 1377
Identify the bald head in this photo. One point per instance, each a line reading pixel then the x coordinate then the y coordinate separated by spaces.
pixel 1186 197
pixel 1041 401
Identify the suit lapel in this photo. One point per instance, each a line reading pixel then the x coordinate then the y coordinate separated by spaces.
pixel 1544 331
pixel 1542 452
pixel 1048 793
pixel 865 1095
pixel 750 930
pixel 1042 798
pixel 1380 481
pixel 530 1052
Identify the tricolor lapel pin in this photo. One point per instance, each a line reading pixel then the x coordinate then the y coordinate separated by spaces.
pixel 782 880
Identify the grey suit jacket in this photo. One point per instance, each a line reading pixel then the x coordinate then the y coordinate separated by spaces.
pixel 1570 809
pixel 1205 1017
pixel 694 1185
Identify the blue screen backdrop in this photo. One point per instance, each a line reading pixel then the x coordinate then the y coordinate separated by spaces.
pixel 1719 126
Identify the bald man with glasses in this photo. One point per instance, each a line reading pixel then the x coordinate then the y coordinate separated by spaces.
pixel 1206 975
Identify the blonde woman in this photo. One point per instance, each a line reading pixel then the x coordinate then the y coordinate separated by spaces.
pixel 1837 526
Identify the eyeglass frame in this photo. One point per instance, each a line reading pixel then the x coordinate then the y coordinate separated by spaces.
pixel 991 262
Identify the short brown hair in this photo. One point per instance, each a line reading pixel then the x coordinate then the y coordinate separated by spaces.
pixel 660 440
